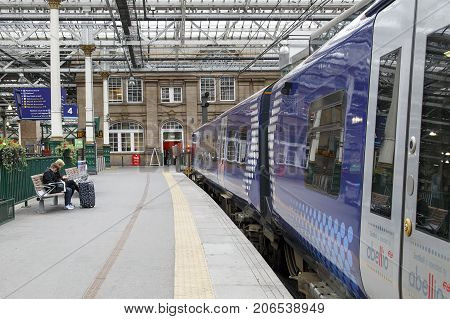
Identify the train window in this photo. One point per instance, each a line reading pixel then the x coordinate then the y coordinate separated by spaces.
pixel 325 142
pixel 231 146
pixel 433 192
pixel 242 150
pixel 222 141
pixel 385 134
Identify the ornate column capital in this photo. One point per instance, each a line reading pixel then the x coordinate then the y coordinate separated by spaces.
pixel 54 4
pixel 105 75
pixel 87 49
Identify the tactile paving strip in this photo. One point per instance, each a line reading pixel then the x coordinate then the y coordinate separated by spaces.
pixel 266 278
pixel 192 279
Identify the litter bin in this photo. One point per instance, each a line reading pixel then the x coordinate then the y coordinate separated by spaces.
pixel 6 210
pixel 82 167
pixel 136 160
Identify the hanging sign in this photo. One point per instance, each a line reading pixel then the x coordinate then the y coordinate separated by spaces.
pixel 35 103
pixel 70 111
pixel 81 134
pixel 78 143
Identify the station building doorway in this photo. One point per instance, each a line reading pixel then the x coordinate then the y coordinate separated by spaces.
pixel 171 135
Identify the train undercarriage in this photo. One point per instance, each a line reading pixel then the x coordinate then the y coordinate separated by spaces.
pixel 301 274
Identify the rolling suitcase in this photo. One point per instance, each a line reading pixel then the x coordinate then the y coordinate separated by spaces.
pixel 87 194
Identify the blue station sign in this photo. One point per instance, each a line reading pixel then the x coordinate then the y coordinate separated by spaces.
pixel 35 103
pixel 70 111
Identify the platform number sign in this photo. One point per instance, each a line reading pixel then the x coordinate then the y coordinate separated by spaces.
pixel 70 111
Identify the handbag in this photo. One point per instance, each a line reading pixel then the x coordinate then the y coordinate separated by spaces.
pixel 58 187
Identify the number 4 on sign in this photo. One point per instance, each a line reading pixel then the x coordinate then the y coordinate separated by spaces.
pixel 70 111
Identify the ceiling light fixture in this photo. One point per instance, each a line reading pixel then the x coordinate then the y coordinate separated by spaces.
pixel 432 133
pixel 447 54
pixel 132 81
pixel 22 78
pixel 9 107
pixel 447 154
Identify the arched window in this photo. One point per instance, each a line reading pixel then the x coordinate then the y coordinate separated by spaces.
pixel 172 125
pixel 126 137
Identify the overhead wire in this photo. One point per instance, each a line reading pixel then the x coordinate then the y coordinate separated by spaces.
pixel 290 29
pixel 256 33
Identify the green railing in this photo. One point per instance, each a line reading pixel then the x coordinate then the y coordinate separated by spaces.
pixel 18 185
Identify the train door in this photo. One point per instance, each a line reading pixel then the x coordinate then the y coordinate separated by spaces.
pixel 222 153
pixel 382 202
pixel 426 247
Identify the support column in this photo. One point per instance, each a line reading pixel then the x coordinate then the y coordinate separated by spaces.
pixel 106 146
pixel 3 115
pixel 90 147
pixel 192 108
pixel 55 78
pixel 152 129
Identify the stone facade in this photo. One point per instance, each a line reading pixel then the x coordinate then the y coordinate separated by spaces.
pixel 152 114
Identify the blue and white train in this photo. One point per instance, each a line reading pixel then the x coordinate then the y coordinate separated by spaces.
pixel 345 160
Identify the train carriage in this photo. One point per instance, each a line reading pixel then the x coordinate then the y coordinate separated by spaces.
pixel 347 157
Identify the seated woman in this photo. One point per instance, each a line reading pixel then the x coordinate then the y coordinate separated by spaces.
pixel 52 175
pixel 69 183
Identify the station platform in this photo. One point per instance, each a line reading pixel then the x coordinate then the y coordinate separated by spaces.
pixel 152 234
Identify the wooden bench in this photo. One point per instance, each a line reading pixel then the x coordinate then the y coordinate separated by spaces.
pixel 43 192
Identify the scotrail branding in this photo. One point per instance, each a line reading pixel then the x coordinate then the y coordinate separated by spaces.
pixel 428 287
pixel 378 256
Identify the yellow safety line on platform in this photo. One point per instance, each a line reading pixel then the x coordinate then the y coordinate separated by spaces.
pixel 192 280
pixel 93 289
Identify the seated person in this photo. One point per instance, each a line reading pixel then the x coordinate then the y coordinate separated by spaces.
pixel 52 176
pixel 69 183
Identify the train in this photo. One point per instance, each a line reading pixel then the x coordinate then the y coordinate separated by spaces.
pixel 341 167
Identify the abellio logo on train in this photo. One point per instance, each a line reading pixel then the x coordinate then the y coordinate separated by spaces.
pixel 379 256
pixel 427 286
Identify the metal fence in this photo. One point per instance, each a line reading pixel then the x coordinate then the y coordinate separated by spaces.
pixel 18 185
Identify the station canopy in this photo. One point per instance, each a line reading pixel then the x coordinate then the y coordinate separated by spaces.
pixel 161 35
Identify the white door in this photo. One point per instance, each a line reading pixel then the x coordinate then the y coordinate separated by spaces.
pixel 382 208
pixel 426 247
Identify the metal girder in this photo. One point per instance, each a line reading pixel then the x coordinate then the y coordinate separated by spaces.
pixel 191 67
pixel 166 33
pixel 215 16
pixel 183 21
pixel 155 43
pixel 125 19
pixel 167 4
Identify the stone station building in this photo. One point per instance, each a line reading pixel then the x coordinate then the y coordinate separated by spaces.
pixel 160 110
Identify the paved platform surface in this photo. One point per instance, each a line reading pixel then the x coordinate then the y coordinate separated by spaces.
pixel 152 234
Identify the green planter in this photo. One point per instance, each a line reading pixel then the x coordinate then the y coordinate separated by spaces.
pixel 6 210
